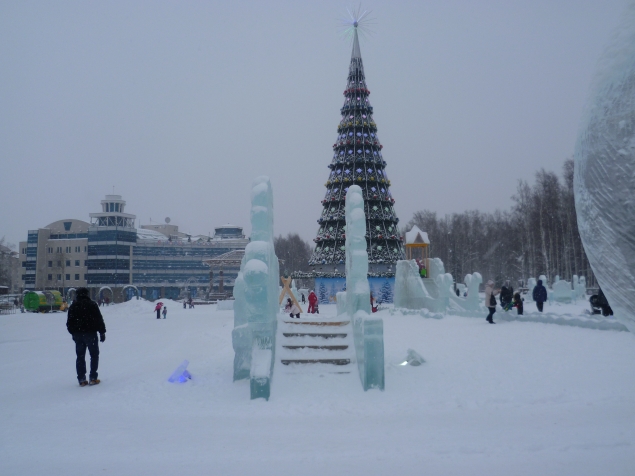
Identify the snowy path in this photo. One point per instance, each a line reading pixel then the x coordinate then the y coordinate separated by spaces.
pixel 514 398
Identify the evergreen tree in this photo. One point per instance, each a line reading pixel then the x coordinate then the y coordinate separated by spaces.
pixel 323 296
pixel 357 159
pixel 385 292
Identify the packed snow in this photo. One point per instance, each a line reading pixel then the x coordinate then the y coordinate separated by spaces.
pixel 516 398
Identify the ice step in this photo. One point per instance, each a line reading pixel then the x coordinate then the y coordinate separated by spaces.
pixel 321 347
pixel 316 361
pixel 319 323
pixel 340 335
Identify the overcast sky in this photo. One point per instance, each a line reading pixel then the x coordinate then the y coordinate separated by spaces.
pixel 179 105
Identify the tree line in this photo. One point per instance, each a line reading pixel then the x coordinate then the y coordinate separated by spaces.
pixel 538 235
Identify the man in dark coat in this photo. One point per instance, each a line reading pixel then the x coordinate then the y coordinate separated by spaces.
pixel 539 295
pixel 83 323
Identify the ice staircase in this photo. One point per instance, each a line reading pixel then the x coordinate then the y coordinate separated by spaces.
pixel 315 344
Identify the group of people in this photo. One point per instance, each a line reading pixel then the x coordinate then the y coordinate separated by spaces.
pixel 509 299
pixel 294 311
pixel 187 303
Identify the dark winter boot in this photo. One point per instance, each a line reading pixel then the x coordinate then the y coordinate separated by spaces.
pixel 83 383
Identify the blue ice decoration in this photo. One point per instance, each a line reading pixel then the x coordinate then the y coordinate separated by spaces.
pixel 180 375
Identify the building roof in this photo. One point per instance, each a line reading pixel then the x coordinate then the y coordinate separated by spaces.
pixel 145 234
pixel 416 237
pixel 70 225
pixel 232 257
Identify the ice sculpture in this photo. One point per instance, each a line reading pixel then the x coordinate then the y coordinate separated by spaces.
pixel 473 282
pixel 562 291
pixel 368 331
pixel 181 375
pixel 604 180
pixel 531 284
pixel 579 287
pixel 445 284
pixel 414 358
pixel 410 293
pixel 256 297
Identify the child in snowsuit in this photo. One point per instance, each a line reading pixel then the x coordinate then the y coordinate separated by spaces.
pixel 292 309
pixel 518 303
pixel 312 303
pixel 165 311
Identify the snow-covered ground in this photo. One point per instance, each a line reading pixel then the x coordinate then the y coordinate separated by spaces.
pixel 515 398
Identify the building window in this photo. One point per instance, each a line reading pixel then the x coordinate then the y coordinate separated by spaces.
pixel 68 277
pixel 59 276
pixel 23 251
pixel 77 277
pixel 85 249
pixel 59 249
pixel 50 277
pixel 68 249
pixel 50 265
pixel 77 249
pixel 85 263
pixel 68 262
pixel 77 263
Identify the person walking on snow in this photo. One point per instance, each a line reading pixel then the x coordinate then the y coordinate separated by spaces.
pixel 312 302
pixel 157 308
pixel 540 295
pixel 507 294
pixel 84 321
pixel 165 311
pixel 490 301
pixel 518 303
pixel 303 299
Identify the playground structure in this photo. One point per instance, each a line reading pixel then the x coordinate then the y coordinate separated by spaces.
pixel 43 301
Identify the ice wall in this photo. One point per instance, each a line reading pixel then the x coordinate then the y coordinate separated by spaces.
pixel 256 297
pixel 368 331
pixel 604 179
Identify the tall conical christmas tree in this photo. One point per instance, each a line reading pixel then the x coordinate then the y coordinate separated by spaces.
pixel 357 159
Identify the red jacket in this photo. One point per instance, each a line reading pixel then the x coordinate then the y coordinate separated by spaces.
pixel 157 307
pixel 312 298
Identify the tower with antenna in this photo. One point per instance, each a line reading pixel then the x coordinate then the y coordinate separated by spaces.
pixel 357 159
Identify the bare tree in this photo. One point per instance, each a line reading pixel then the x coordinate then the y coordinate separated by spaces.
pixel 539 235
pixel 294 253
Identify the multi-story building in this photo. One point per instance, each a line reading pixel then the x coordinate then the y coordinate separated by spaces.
pixel 116 260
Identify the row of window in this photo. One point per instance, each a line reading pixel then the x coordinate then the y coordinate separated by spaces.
pixel 68 263
pixel 68 277
pixel 108 250
pixel 67 249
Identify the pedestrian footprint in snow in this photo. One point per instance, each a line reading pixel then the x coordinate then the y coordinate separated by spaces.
pixel 165 311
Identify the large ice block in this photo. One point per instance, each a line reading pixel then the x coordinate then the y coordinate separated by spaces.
pixel 368 332
pixel 357 288
pixel 604 179
pixel 256 297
